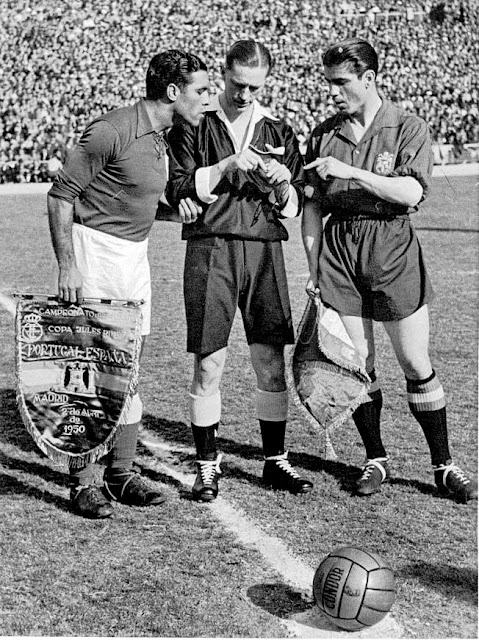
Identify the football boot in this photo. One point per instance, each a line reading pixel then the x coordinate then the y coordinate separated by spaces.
pixel 278 473
pixel 88 501
pixel 375 472
pixel 129 488
pixel 452 481
pixel 205 488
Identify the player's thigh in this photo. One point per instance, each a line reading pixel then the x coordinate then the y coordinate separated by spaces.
pixel 338 269
pixel 393 271
pixel 410 339
pixel 361 332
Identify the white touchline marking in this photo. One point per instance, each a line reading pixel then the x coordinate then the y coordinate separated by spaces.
pixel 308 624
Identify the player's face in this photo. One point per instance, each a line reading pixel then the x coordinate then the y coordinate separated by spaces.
pixel 242 86
pixel 346 88
pixel 193 99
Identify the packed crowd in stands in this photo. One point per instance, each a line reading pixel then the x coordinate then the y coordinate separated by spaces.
pixel 64 63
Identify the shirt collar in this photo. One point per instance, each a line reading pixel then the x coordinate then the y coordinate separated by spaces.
pixel 259 112
pixel 388 115
pixel 144 124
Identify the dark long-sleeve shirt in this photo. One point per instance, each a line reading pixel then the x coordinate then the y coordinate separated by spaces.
pixel 241 209
pixel 396 144
pixel 114 176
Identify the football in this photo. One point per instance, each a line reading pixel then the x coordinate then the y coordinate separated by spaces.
pixel 353 588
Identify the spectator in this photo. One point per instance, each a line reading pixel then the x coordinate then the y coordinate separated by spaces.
pixel 64 64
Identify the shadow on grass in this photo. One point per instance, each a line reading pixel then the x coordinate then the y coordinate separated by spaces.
pixel 179 433
pixel 12 486
pixel 450 581
pixel 278 599
pixel 13 429
pixel 15 433
pixel 40 470
pixel 173 432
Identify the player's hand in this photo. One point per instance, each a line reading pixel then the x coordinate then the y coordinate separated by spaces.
pixel 312 288
pixel 246 160
pixel 189 210
pixel 70 285
pixel 330 167
pixel 276 172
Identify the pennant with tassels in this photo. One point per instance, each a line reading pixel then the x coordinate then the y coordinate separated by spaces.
pixel 326 374
pixel 77 370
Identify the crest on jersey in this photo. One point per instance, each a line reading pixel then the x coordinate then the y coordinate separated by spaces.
pixel 384 163
pixel 77 370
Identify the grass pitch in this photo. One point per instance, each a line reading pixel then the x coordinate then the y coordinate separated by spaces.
pixel 171 571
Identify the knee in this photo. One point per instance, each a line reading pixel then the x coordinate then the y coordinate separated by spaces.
pixel 416 368
pixel 207 374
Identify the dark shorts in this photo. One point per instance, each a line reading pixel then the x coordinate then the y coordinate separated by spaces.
pixel 222 275
pixel 373 268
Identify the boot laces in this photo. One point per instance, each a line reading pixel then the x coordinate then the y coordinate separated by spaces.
pixel 370 466
pixel 367 471
pixel 209 469
pixel 93 493
pixel 120 485
pixel 285 466
pixel 456 474
pixel 78 489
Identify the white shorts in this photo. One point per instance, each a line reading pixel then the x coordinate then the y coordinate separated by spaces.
pixel 113 268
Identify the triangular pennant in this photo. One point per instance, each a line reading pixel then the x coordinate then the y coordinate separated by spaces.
pixel 77 370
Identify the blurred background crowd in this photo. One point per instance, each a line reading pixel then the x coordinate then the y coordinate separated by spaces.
pixel 66 61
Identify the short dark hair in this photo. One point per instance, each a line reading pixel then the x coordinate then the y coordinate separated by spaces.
pixel 357 53
pixel 170 67
pixel 249 53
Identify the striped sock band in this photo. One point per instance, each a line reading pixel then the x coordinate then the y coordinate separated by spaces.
pixel 425 395
pixel 428 406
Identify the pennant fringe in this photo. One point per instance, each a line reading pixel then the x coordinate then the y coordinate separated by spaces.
pixel 59 457
pixel 337 362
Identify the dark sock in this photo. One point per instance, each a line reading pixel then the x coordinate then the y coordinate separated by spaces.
pixel 121 457
pixel 367 419
pixel 84 476
pixel 427 403
pixel 205 441
pixel 272 434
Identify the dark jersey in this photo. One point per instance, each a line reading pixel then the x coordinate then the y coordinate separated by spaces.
pixel 241 208
pixel 396 144
pixel 114 176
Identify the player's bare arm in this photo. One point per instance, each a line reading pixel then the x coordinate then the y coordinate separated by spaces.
pixel 312 231
pixel 70 281
pixel 404 190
